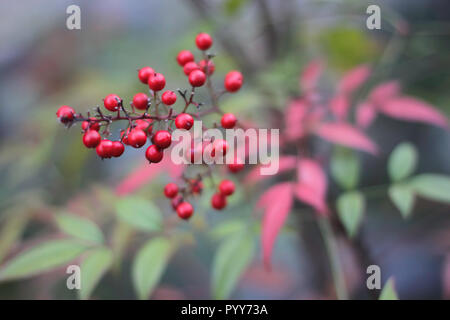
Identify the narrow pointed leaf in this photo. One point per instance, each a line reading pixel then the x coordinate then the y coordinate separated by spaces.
pixel 388 292
pixel 345 167
pixel 402 161
pixel 350 207
pixel 93 268
pixel 79 227
pixel 139 213
pixel 432 186
pixel 353 79
pixel 403 198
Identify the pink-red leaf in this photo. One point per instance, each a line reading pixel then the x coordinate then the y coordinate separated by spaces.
pixel 353 79
pixel 294 118
pixel 276 202
pixel 340 105
pixel 412 109
pixel 311 75
pixel 346 135
pixel 284 164
pixel 312 185
pixel 365 114
pixel 384 92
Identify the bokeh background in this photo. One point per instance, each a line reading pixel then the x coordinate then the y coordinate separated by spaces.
pixel 45 170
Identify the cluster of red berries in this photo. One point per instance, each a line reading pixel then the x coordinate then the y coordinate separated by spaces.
pixel 144 117
pixel 194 186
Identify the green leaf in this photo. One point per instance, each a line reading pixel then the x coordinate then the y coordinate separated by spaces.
pixel 230 261
pixel 41 258
pixel 350 207
pixel 403 198
pixel 231 7
pixel 149 265
pixel 389 292
pixel 139 213
pixel 93 267
pixel 79 227
pixel 227 228
pixel 11 231
pixel 402 161
pixel 345 167
pixel 432 186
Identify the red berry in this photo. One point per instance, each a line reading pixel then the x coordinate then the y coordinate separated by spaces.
pixel 162 139
pixel 176 201
pixel 203 41
pixel 140 101
pixel 144 73
pixel 124 136
pixel 228 121
pixel 197 78
pixel 111 102
pixel 144 125
pixel 196 186
pixel 189 67
pixel 220 146
pixel 104 149
pixel 117 149
pixel 90 125
pixel 169 98
pixel 137 138
pixel 171 190
pixel 156 82
pixel 184 56
pixel 65 114
pixel 91 139
pixel 184 121
pixel 233 81
pixel 185 210
pixel 218 201
pixel 207 66
pixel 154 154
pixel 226 187
pixel 235 166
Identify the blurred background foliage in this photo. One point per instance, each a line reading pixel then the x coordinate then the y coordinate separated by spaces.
pixel 47 174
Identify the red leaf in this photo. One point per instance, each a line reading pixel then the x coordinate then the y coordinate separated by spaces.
pixel 277 202
pixel 312 185
pixel 384 91
pixel 311 75
pixel 339 105
pixel 346 135
pixel 285 163
pixel 145 173
pixel 365 114
pixel 295 114
pixel 353 79
pixel 412 109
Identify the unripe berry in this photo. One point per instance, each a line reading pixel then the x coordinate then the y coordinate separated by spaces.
pixel 228 121
pixel 137 138
pixel 144 73
pixel 169 98
pixel 203 41
pixel 207 66
pixel 117 149
pixel 111 102
pixel 226 187
pixel 185 210
pixel 144 125
pixel 184 121
pixel 156 82
pixel 218 201
pixel 233 81
pixel 171 190
pixel 65 114
pixel 220 147
pixel 91 139
pixel 197 78
pixel 235 166
pixel 189 67
pixel 90 125
pixel 104 149
pixel 154 154
pixel 184 56
pixel 162 139
pixel 140 101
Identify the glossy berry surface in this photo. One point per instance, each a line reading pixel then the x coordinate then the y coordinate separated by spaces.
pixel 171 190
pixel 144 73
pixel 169 98
pixel 111 102
pixel 144 125
pixel 207 66
pixel 90 125
pixel 220 147
pixel 184 56
pixel 235 167
pixel 189 67
pixel 218 201
pixel 233 81
pixel 185 210
pixel 65 114
pixel 228 121
pixel 91 138
pixel 203 41
pixel 104 149
pixel 197 78
pixel 154 154
pixel 156 82
pixel 117 149
pixel 184 121
pixel 226 187
pixel 137 138
pixel 140 101
pixel 162 139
